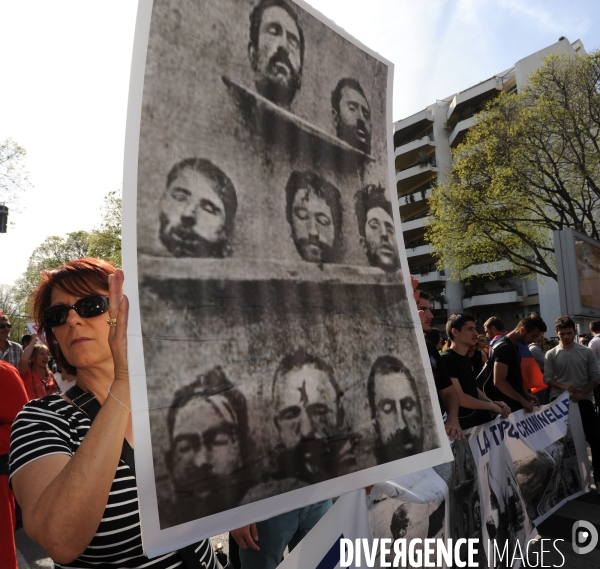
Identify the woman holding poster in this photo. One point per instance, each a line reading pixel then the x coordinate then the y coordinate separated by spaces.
pixel 72 467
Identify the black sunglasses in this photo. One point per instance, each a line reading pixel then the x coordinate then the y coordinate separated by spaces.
pixel 2 326
pixel 87 307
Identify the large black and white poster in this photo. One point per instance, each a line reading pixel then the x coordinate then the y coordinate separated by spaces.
pixel 275 355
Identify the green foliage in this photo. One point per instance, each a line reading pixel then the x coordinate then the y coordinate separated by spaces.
pixel 10 306
pixel 103 242
pixel 52 253
pixel 530 165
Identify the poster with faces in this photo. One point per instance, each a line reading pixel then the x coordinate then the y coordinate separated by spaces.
pixel 276 354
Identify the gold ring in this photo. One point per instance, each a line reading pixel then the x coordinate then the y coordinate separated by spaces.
pixel 112 322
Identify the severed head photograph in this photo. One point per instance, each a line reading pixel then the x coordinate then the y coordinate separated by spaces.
pixel 281 361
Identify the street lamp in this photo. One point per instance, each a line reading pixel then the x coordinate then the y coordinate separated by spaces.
pixel 3 218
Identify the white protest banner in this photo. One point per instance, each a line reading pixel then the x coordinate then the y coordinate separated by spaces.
pixel 507 476
pixel 272 338
pixel 338 531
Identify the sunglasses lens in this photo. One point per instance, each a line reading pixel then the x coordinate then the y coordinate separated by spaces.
pixel 87 307
pixel 91 306
pixel 55 316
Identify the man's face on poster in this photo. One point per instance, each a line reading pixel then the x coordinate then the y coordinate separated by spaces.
pixel 354 120
pixel 312 226
pixel 277 60
pixel 398 415
pixel 379 240
pixel 305 409
pixel 205 450
pixel 192 217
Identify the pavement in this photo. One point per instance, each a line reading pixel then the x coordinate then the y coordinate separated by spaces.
pixel 557 527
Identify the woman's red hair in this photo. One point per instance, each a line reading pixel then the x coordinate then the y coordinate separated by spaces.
pixel 82 277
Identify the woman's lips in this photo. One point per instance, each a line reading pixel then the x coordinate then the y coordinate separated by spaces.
pixel 79 340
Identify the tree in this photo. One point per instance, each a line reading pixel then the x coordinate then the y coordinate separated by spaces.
pixel 10 306
pixel 13 173
pixel 52 253
pixel 105 242
pixel 530 165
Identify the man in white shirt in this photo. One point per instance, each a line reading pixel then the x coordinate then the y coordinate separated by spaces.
pixel 572 367
pixel 595 341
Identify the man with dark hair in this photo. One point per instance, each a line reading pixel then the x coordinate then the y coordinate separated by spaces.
pixel 574 368
pixel 197 211
pixel 308 414
pixel 594 343
pixel 494 330
pixel 447 394
pixel 376 228
pixel 462 331
pixel 25 340
pixel 9 351
pixel 210 447
pixel 276 51
pixel 314 213
pixel 352 114
pixel 395 410
pixel 505 383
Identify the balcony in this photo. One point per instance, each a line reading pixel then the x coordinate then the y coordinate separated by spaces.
pixel 407 153
pixel 414 197
pixel 418 251
pixel 416 176
pixel 460 131
pixel 413 127
pixel 433 276
pixel 417 223
pixel 475 95
pixel 501 297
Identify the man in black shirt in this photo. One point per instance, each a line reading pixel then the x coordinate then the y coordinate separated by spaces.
pixel 462 331
pixel 506 383
pixel 446 391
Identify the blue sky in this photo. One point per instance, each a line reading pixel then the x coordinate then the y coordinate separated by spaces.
pixel 65 76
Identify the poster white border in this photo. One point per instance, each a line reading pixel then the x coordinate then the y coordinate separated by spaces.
pixel 155 540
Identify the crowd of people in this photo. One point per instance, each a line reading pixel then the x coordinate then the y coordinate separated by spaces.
pixel 80 444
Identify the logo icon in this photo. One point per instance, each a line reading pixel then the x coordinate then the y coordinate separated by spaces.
pixel 584 537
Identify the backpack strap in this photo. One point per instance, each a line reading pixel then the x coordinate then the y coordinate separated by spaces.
pixel 87 403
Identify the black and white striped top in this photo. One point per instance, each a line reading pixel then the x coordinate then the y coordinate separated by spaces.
pixel 52 426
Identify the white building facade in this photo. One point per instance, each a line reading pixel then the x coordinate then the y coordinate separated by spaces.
pixel 423 146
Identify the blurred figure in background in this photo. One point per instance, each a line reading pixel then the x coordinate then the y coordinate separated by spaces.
pixel 12 401
pixel 34 370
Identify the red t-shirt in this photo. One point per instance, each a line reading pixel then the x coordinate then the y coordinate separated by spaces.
pixel 38 385
pixel 12 401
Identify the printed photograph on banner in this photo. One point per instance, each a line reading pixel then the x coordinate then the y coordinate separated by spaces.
pixel 464 501
pixel 504 516
pixel 548 467
pixel 281 360
pixel 413 506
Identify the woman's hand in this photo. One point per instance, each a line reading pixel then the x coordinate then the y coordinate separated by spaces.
pixel 117 336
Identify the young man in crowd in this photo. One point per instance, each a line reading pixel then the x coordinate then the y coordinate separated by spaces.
pixel 446 391
pixel 462 331
pixel 494 330
pixel 574 368
pixel 506 381
pixel 594 344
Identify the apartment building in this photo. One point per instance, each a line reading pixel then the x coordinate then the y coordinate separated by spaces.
pixel 423 146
